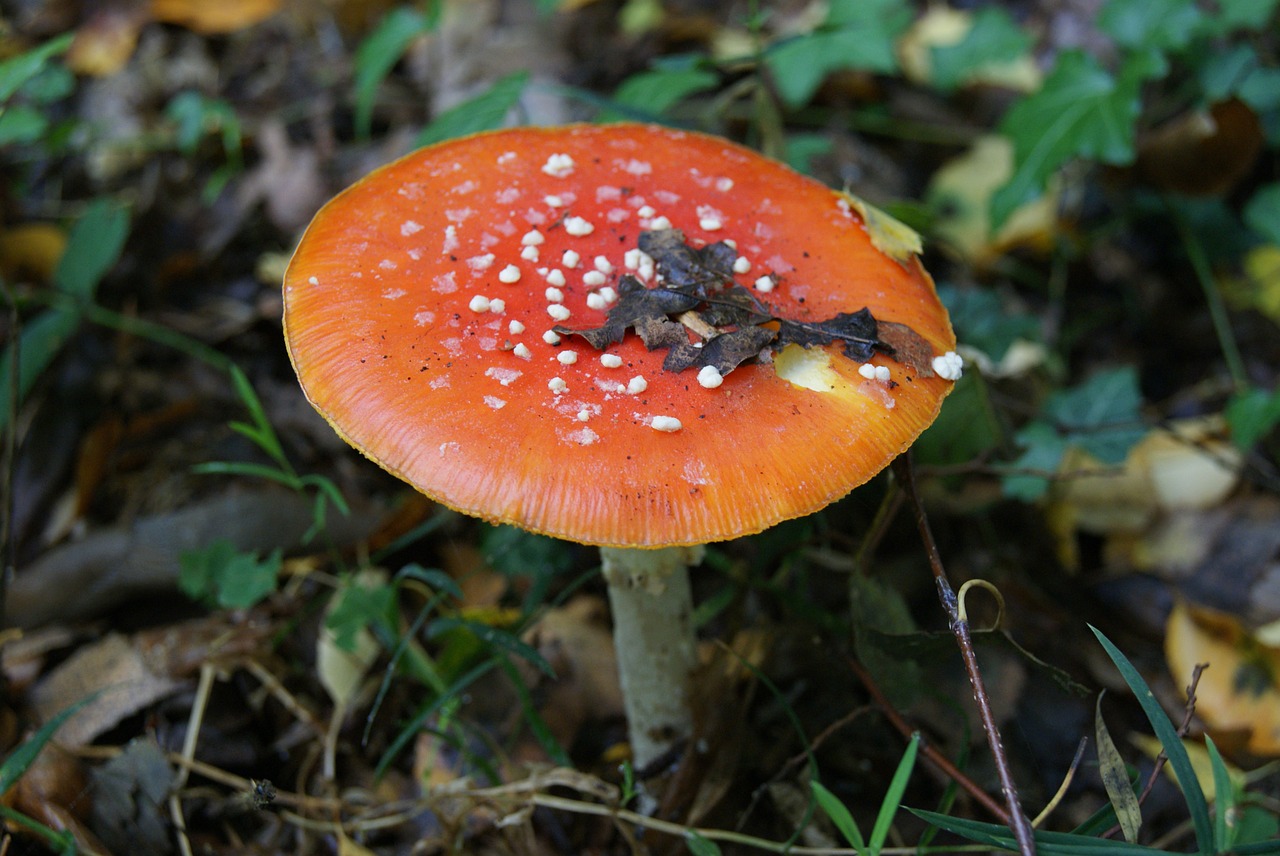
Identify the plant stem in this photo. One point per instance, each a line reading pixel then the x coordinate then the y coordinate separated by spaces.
pixel 653 635
pixel 1018 822
pixel 1213 298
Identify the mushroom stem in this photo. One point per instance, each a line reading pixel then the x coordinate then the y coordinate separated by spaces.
pixel 653 633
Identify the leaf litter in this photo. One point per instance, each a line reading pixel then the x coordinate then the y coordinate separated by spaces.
pixel 698 294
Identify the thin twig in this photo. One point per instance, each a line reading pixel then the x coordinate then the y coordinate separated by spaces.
pixel 942 762
pixel 1018 822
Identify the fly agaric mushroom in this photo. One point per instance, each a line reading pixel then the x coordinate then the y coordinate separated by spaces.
pixel 619 335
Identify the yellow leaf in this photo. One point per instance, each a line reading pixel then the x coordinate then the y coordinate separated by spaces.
pixel 892 237
pixel 961 192
pixel 224 16
pixel 1260 287
pixel 1237 695
pixel 1199 756
pixel 942 26
pixel 31 250
pixel 341 671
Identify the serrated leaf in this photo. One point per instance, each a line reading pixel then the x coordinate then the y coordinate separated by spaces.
pixel 1115 777
pixel 1082 110
pixel 1150 24
pixel 482 113
pixel 994 38
pixel 1102 415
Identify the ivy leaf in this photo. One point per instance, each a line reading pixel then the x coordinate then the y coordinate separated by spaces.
pixel 994 38
pixel 1102 416
pixel 1262 213
pixel 857 35
pixel 1163 25
pixel 1081 111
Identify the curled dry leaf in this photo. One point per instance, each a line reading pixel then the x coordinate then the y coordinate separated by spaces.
pixel 1237 697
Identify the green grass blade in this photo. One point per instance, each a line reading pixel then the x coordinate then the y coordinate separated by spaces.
pixel 839 815
pixel 1172 743
pixel 893 796
pixel 1047 843
pixel 17 762
pixel 1224 799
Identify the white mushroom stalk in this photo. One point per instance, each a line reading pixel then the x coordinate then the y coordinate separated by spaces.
pixel 652 606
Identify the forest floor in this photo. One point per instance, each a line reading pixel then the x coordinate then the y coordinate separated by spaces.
pixel 230 633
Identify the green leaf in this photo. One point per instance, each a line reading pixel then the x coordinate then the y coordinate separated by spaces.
pixel 21 124
pixel 357 607
pixel 1224 800
pixel 1115 777
pixel 93 247
pixel 1262 212
pixel 19 70
pixel 878 611
pixel 379 53
pixel 858 35
pixel 230 578
pixel 1232 15
pixel 1047 843
pixel 1169 740
pixel 1102 415
pixel 1151 24
pixel 994 38
pixel 1044 450
pixel 1252 414
pixel 700 845
pixel 839 815
pixel 654 92
pixel 893 796
pixel 482 113
pixel 495 637
pixel 1082 110
pixel 21 758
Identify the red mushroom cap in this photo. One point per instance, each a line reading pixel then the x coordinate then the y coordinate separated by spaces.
pixel 392 326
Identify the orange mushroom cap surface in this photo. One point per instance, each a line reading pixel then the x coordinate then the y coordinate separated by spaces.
pixel 418 300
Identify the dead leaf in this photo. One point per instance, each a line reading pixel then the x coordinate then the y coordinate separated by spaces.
pixel 1237 695
pixel 1202 152
pixel 130 795
pixel 576 641
pixel 31 251
pixel 113 668
pixel 105 42
pixel 209 18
